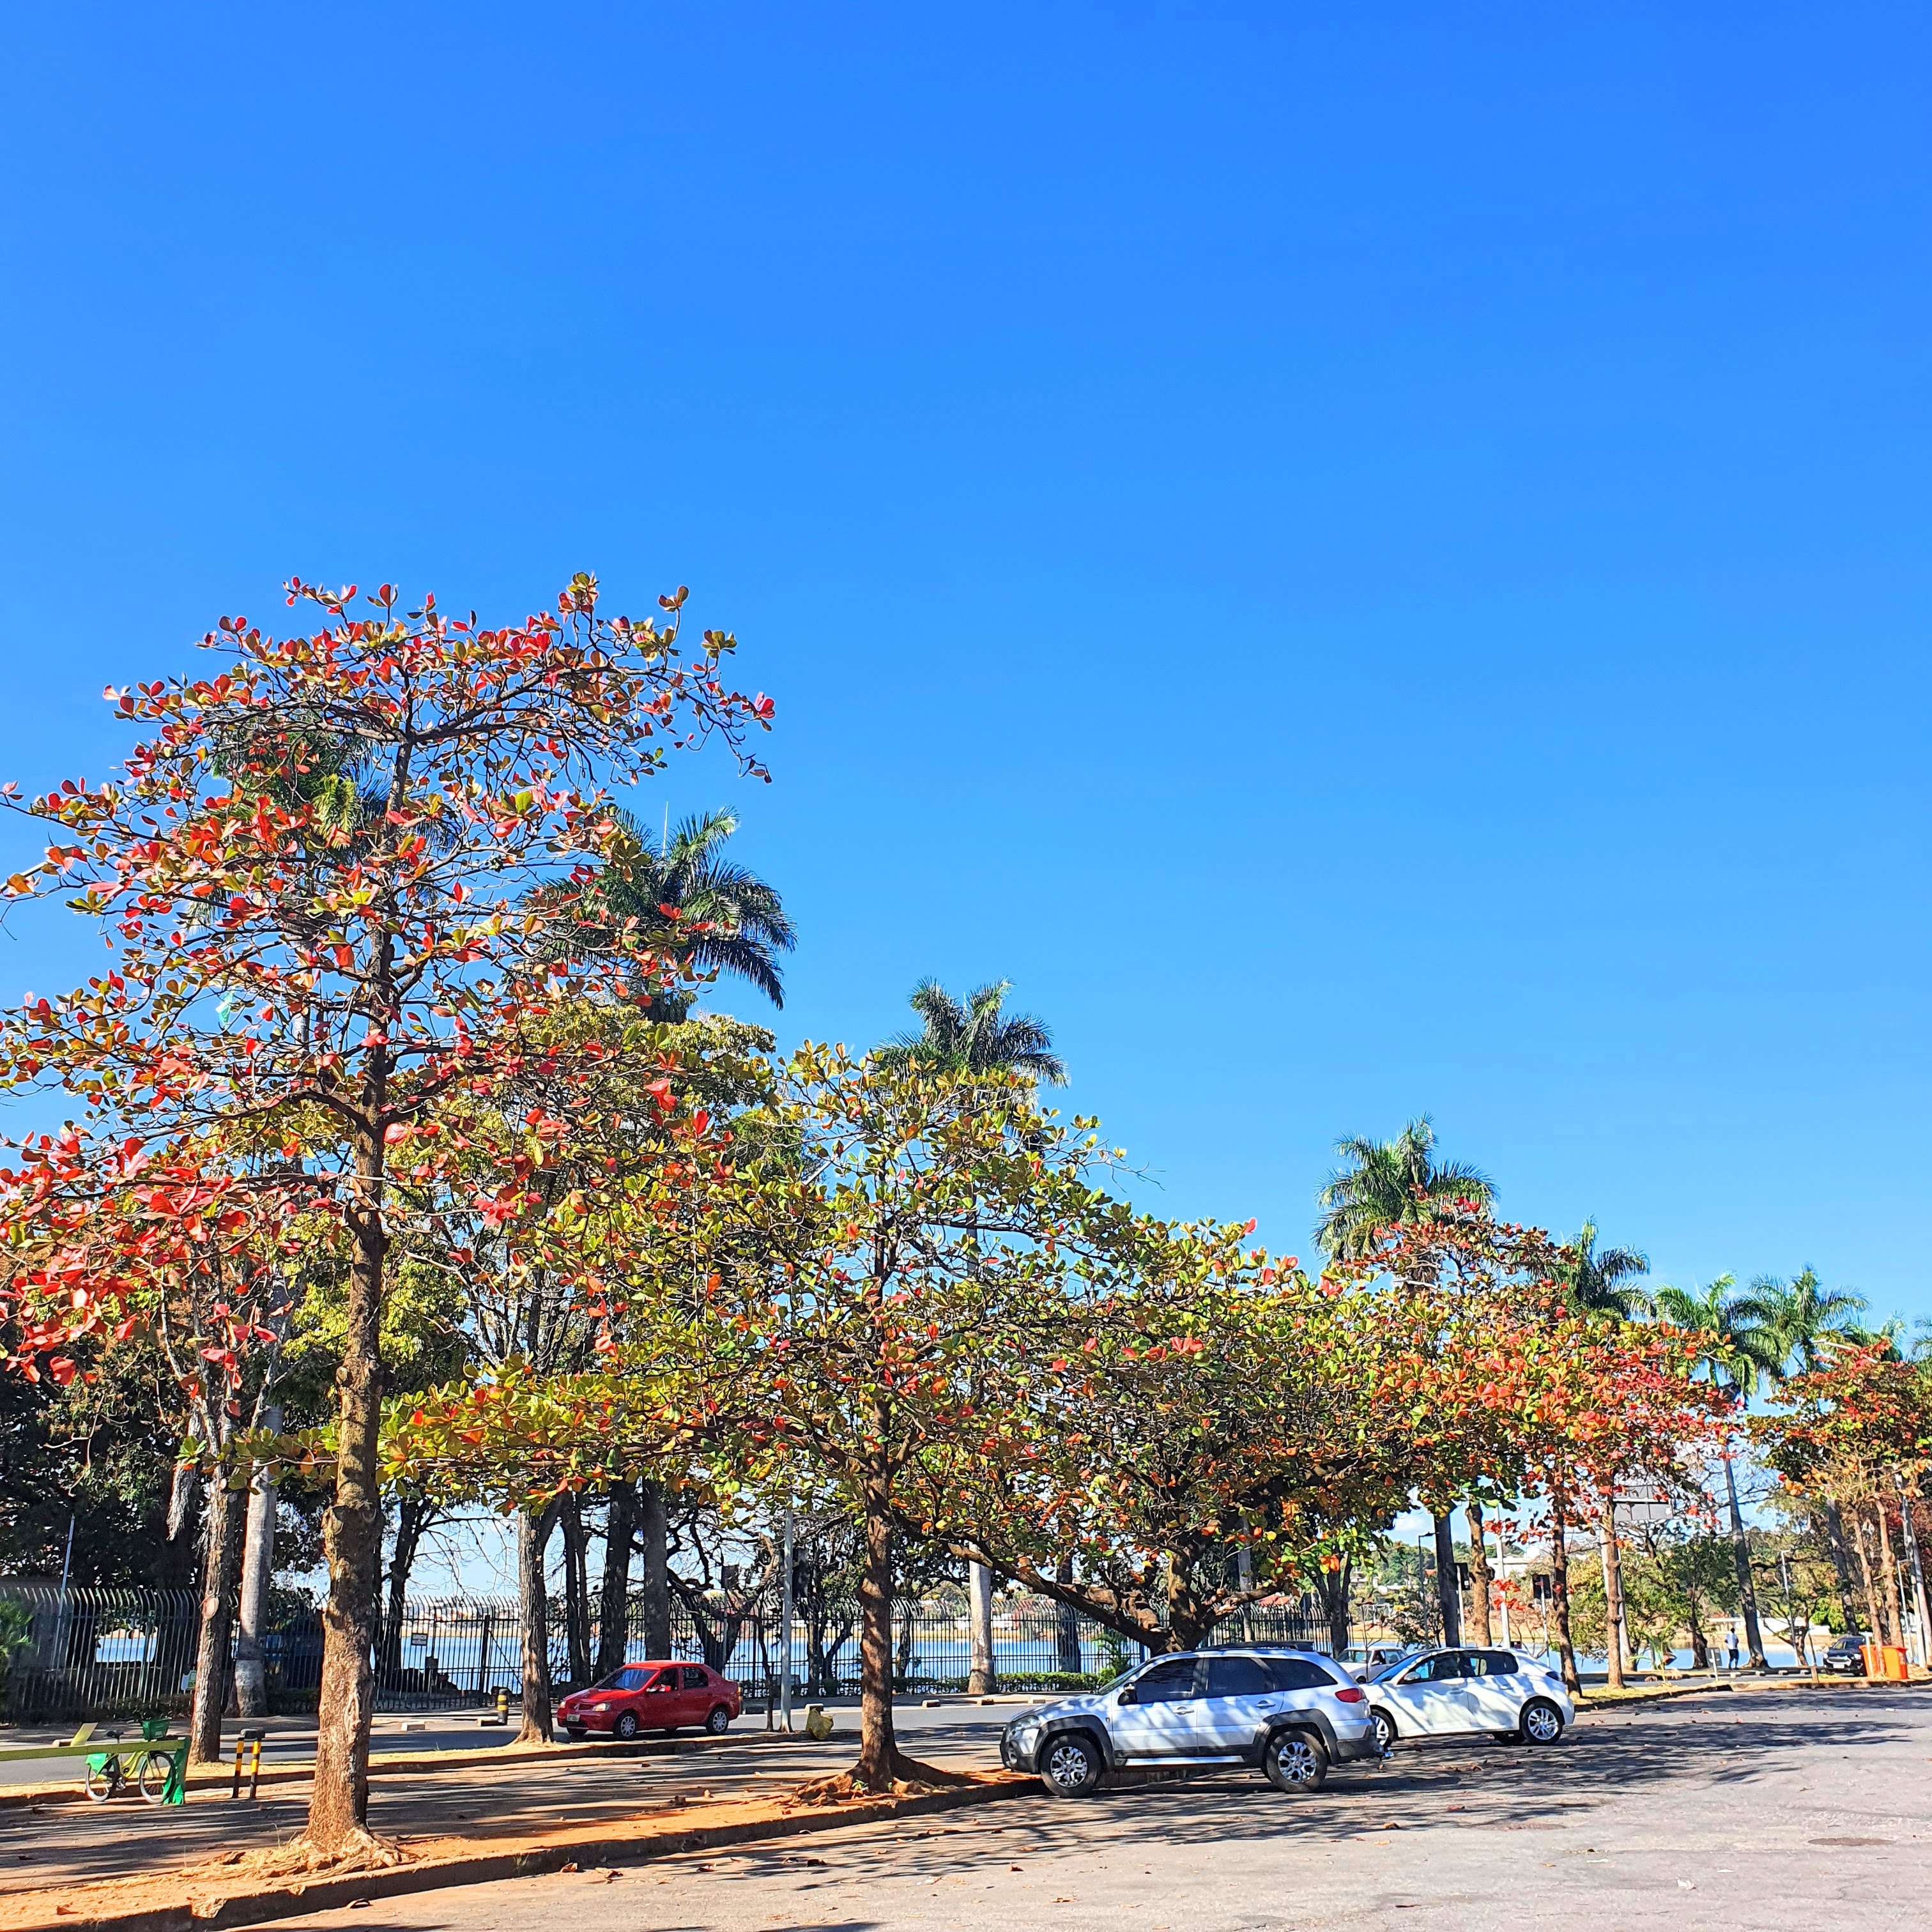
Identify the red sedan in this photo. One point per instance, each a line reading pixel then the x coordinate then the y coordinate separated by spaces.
pixel 652 1697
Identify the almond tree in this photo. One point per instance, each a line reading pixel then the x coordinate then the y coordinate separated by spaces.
pixel 315 873
pixel 103 1240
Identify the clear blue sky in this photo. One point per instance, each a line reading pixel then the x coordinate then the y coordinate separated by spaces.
pixel 1370 561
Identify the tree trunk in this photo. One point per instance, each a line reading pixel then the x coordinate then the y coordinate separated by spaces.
pixel 1559 1592
pixel 258 1570
pixel 653 1584
pixel 576 1588
pixel 1333 1588
pixel 412 1509
pixel 1067 1624
pixel 352 1534
pixel 878 1764
pixel 1700 1645
pixel 533 1617
pixel 1613 1592
pixel 1873 1628
pixel 1740 1556
pixel 1841 1562
pixel 614 1606
pixel 1479 1577
pixel 1895 1632
pixel 221 1571
pixel 1448 1589
pixel 981 1681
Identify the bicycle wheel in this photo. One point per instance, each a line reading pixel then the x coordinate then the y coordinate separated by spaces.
pixel 151 1775
pixel 101 1781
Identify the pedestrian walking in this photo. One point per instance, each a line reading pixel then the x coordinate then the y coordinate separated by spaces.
pixel 1734 1650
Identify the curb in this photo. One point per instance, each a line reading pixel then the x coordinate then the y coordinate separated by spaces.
pixel 1756 1687
pixel 210 1779
pixel 300 1897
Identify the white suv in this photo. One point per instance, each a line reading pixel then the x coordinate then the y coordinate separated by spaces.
pixel 1291 1712
pixel 1443 1692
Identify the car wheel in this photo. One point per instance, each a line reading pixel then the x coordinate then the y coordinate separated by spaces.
pixel 1295 1761
pixel 1070 1765
pixel 578 1733
pixel 1385 1732
pixel 1542 1722
pixel 719 1721
pixel 626 1726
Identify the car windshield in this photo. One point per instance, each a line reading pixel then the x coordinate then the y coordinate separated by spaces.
pixel 1389 1669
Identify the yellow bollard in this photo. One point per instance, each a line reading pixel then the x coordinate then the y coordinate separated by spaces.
pixel 243 1745
pixel 503 1705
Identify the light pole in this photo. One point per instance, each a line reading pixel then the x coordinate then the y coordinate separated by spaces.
pixel 785 1625
pixel 1502 1575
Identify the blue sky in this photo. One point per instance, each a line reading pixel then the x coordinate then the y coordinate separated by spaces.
pixel 1369 561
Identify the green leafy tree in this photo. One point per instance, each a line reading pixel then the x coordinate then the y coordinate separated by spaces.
pixel 1603 1281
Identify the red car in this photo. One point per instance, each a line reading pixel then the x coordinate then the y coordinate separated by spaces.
pixel 652 1697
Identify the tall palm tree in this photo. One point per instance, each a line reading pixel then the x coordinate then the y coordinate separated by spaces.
pixel 1602 1283
pixel 722 918
pixel 1392 1183
pixel 1801 1320
pixel 1737 1352
pixel 975 1036
pixel 1389 1183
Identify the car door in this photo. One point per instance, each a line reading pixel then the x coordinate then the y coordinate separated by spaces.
pixel 657 1704
pixel 1427 1698
pixel 694 1698
pixel 1238 1694
pixel 1158 1715
pixel 1493 1686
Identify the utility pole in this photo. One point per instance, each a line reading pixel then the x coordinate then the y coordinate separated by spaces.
pixel 1502 1578
pixel 784 1626
pixel 1906 1498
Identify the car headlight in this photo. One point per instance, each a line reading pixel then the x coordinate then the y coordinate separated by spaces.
pixel 1025 1728
pixel 600 1707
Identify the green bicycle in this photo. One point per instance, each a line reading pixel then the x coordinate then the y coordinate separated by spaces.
pixel 148 1771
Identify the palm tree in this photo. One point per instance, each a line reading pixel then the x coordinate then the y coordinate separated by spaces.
pixel 1802 1320
pixel 1600 1283
pixel 722 918
pixel 1737 1352
pixel 1392 1183
pixel 974 1035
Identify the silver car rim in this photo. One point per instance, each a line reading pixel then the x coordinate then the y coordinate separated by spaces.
pixel 1294 1758
pixel 1067 1766
pixel 1542 1723
pixel 1384 1733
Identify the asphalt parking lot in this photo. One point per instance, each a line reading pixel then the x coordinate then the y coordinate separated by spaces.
pixel 1784 1809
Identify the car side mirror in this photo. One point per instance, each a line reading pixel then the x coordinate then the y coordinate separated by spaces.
pixel 1127 1696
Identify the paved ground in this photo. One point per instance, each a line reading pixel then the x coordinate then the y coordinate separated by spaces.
pixel 71 1843
pixel 1782 1810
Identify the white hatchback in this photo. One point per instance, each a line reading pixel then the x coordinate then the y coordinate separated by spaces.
pixel 1448 1693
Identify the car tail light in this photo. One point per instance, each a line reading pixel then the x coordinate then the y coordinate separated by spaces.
pixel 1351 1693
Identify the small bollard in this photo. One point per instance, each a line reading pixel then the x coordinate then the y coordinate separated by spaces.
pixel 503 1705
pixel 247 1741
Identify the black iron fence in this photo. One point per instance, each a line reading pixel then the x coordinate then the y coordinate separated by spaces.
pixel 92 1653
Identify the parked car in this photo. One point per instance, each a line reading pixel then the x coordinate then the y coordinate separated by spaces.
pixel 1446 1692
pixel 1291 1713
pixel 1846 1655
pixel 652 1697
pixel 1364 1660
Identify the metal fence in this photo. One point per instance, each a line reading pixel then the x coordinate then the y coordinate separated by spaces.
pixel 86 1653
